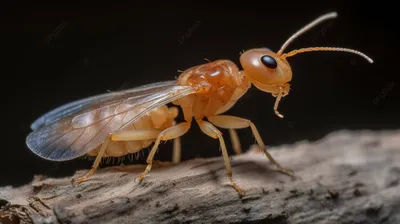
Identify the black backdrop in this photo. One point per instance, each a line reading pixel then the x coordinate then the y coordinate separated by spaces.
pixel 60 53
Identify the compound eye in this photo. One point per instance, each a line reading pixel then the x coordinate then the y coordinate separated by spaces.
pixel 269 62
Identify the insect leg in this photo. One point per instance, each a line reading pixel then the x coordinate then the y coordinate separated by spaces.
pixel 168 134
pixel 213 132
pixel 186 103
pixel 118 136
pixel 95 164
pixel 235 141
pixel 135 135
pixel 225 121
pixel 176 154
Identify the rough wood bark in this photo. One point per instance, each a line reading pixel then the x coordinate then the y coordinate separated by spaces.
pixel 347 177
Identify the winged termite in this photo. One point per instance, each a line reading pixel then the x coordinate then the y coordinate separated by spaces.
pixel 203 91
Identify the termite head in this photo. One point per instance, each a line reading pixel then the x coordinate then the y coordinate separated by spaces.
pixel 271 72
pixel 266 70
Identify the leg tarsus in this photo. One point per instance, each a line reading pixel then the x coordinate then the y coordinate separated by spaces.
pixel 144 173
pixel 236 186
pixel 287 171
pixel 281 169
pixel 95 164
pixel 82 178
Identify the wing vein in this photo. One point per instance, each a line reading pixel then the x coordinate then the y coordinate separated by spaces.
pixel 186 92
pixel 58 138
pixel 108 122
pixel 74 141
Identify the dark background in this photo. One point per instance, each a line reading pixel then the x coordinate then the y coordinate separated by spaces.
pixel 113 47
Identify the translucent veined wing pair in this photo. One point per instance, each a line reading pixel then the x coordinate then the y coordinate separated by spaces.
pixel 74 129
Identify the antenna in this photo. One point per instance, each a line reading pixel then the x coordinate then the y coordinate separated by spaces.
pixel 309 49
pixel 306 28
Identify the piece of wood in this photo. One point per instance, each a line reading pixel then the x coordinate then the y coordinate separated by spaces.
pixel 346 177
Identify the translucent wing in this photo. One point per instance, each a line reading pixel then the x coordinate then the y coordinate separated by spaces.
pixel 76 106
pixel 75 129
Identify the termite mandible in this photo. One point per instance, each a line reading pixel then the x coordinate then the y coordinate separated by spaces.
pixel 203 91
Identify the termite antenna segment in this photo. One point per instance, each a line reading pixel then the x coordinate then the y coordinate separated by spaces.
pixel 309 49
pixel 306 28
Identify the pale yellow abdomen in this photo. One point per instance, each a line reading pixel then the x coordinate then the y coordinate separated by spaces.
pixel 158 119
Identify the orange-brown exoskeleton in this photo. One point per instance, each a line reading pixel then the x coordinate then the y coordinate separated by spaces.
pixel 203 91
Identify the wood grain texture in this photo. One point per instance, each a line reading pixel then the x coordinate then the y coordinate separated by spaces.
pixel 346 177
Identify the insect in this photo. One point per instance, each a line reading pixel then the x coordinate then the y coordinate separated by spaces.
pixel 203 91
